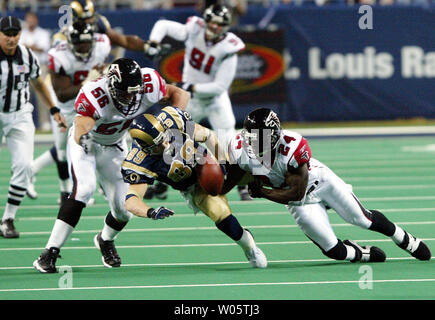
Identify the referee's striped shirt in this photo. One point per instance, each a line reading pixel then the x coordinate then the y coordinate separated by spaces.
pixel 15 73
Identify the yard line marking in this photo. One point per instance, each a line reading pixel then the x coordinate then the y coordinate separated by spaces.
pixel 199 285
pixel 172 229
pixel 191 215
pixel 190 245
pixel 377 187
pixel 178 264
pixel 236 202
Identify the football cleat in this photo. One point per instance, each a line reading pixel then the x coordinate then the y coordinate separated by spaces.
pixel 31 191
pixel 46 263
pixel 366 253
pixel 110 256
pixel 244 193
pixel 417 248
pixel 7 229
pixel 255 256
pixel 159 191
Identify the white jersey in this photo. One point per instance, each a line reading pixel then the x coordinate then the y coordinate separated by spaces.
pixel 210 66
pixel 62 61
pixel 111 125
pixel 292 151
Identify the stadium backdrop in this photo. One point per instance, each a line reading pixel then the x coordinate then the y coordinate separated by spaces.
pixel 316 64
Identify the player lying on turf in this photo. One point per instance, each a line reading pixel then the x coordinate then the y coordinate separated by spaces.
pixel 284 172
pixel 163 150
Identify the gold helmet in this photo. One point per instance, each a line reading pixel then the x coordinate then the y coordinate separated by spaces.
pixel 82 9
pixel 148 132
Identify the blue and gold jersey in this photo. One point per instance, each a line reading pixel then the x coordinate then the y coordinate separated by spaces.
pixel 176 166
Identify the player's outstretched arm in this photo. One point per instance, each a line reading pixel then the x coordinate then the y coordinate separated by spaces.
pixel 234 175
pixel 129 42
pixel 296 179
pixel 209 137
pixel 42 89
pixel 135 205
pixel 176 97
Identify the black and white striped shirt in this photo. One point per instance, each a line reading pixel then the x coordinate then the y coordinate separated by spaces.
pixel 15 74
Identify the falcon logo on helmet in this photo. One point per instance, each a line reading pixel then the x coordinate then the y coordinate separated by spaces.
pixel 125 85
pixel 261 132
pixel 80 38
pixel 218 19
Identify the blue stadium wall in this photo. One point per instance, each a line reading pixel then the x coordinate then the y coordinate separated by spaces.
pixel 332 70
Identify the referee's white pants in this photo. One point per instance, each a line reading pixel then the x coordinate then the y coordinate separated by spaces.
pixel 104 163
pixel 19 131
pixel 332 191
pixel 219 112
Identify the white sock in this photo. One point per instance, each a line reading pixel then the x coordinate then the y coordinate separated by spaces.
pixel 398 235
pixel 42 161
pixel 246 241
pixel 65 185
pixel 10 211
pixel 351 253
pixel 108 233
pixel 60 233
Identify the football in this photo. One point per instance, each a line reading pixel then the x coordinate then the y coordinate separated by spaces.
pixel 210 176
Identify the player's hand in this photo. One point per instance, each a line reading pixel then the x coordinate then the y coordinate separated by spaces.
pixel 159 213
pixel 60 120
pixel 255 188
pixel 155 50
pixel 86 142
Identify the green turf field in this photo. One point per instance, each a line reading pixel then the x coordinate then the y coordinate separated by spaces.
pixel 185 257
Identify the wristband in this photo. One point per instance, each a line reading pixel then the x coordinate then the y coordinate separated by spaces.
pixel 54 110
pixel 149 212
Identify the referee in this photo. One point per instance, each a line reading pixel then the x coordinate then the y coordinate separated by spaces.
pixel 18 65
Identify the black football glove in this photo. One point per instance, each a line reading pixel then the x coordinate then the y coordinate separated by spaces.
pixel 85 142
pixel 159 213
pixel 154 50
pixel 254 188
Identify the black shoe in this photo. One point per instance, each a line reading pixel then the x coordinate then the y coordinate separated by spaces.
pixel 366 253
pixel 46 263
pixel 160 191
pixel 417 248
pixel 244 193
pixel 110 257
pixel 7 229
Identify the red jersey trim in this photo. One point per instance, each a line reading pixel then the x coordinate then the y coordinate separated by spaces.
pixel 302 153
pixel 162 84
pixel 84 107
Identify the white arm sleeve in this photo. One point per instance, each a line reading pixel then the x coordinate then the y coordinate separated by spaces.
pixel 222 81
pixel 169 28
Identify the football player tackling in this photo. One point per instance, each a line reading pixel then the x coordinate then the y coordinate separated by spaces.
pixel 97 146
pixel 166 149
pixel 284 172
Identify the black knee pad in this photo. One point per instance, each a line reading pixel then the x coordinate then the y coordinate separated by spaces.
pixel 381 224
pixel 62 170
pixel 71 211
pixel 113 223
pixel 339 252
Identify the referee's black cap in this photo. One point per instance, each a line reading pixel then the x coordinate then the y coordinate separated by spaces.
pixel 10 24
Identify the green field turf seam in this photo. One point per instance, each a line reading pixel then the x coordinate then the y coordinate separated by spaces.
pixel 190 245
pixel 292 283
pixel 180 264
